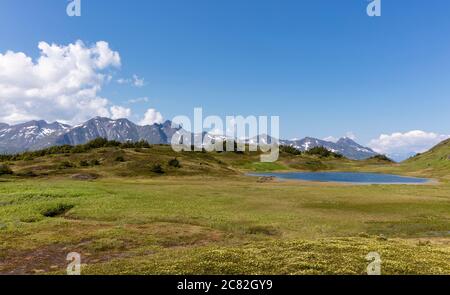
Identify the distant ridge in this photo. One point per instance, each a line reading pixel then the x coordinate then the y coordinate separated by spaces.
pixel 35 135
pixel 344 146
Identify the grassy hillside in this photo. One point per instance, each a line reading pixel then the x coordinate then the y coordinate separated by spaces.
pixel 119 161
pixel 434 162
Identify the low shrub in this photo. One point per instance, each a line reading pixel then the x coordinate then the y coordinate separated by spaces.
pixel 290 150
pixel 157 168
pixel 5 170
pixel 175 163
pixel 84 163
pixel 56 210
pixel 382 158
pixel 65 165
pixel 120 159
pixel 323 152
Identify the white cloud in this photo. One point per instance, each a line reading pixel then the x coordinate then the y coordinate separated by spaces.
pixel 138 100
pixel 118 112
pixel 402 145
pixel 151 117
pixel 138 82
pixel 135 81
pixel 62 84
pixel 123 81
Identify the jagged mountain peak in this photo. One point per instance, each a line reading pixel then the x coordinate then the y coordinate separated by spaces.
pixel 345 140
pixel 345 146
pixel 34 135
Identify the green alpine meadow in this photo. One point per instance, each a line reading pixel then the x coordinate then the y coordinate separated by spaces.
pixel 150 210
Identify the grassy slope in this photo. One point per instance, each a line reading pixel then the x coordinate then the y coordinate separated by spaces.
pixel 138 163
pixel 206 218
pixel 435 162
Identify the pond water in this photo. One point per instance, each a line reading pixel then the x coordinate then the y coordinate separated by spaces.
pixel 346 177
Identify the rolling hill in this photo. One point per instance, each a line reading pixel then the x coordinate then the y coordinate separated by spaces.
pixel 435 161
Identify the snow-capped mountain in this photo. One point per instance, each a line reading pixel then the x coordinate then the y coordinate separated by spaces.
pixel 31 135
pixel 344 146
pixel 36 135
pixel 121 130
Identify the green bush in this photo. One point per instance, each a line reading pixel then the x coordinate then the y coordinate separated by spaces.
pixel 175 163
pixel 84 163
pixel 290 150
pixel 5 170
pixel 139 144
pixel 338 156
pixel 382 158
pixel 95 162
pixel 120 159
pixel 319 151
pixel 157 168
pixel 322 152
pixel 66 165
pixel 235 147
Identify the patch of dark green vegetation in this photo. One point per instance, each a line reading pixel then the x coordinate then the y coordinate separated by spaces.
pixel 157 168
pixel 174 163
pixel 66 165
pixel 263 230
pixel 323 152
pixel 27 174
pixel 290 150
pixel 84 163
pixel 120 159
pixel 228 146
pixel 383 158
pixel 5 170
pixel 56 210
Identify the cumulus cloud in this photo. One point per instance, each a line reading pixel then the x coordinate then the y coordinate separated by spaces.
pixel 118 112
pixel 61 84
pixel 402 145
pixel 151 117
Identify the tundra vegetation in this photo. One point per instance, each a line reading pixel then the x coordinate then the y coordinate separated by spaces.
pixel 145 209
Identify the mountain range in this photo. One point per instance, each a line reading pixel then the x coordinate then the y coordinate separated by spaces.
pixel 35 135
pixel 344 146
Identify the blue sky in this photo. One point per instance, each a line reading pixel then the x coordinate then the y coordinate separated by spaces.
pixel 324 67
